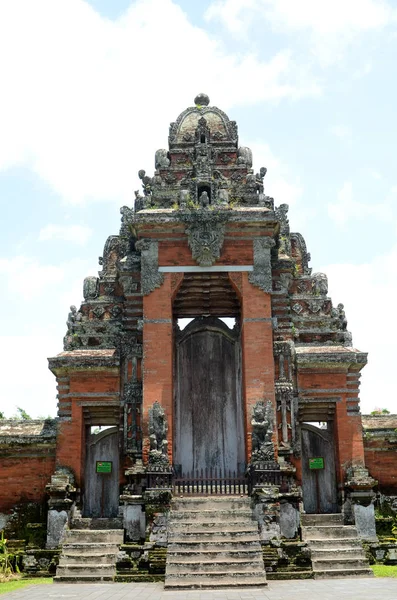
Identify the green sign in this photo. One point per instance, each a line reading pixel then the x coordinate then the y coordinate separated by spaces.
pixel 103 466
pixel 316 463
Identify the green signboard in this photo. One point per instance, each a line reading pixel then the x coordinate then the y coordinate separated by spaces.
pixel 316 463
pixel 103 466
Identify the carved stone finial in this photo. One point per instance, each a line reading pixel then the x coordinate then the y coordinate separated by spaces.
pixel 202 100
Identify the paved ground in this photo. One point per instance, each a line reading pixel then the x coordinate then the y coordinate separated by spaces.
pixel 330 589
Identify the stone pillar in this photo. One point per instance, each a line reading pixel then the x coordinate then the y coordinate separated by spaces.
pixel 61 492
pixel 267 512
pixel 359 503
pixel 134 517
pixel 157 356
pixel 257 343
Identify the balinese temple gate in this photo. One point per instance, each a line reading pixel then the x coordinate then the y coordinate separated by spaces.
pixel 260 391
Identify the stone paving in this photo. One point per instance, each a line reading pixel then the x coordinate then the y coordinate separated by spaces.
pixel 329 589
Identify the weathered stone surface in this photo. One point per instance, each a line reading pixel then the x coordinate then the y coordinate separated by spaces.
pixel 364 517
pixel 56 524
pixel 289 520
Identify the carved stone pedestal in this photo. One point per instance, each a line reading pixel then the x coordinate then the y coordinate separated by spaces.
pixel 360 502
pixel 61 492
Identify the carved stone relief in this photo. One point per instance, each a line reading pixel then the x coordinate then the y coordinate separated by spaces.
pixel 151 278
pixel 262 432
pixel 261 276
pixel 205 231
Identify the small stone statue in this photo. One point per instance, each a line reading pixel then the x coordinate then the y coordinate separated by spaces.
pixel 262 432
pixel 73 318
pixel 320 284
pixel 146 182
pixel 158 435
pixel 259 179
pixel 161 160
pixel 342 317
pixel 204 199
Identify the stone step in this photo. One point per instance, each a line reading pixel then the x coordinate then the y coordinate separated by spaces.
pixel 215 575
pixel 92 578
pixel 221 530
pixel 323 519
pixel 337 553
pixel 213 503
pixel 92 570
pixel 231 554
pixel 89 535
pixel 341 564
pixel 225 566
pixel 200 527
pixel 335 544
pixel 209 516
pixel 79 548
pixel 220 545
pixel 335 573
pixel 318 532
pixel 216 539
pixel 103 559
pixel 97 523
pixel 215 583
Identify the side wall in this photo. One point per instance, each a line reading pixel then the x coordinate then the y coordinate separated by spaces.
pixel 380 446
pixel 27 461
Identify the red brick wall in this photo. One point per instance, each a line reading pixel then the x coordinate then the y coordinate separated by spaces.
pixel 23 477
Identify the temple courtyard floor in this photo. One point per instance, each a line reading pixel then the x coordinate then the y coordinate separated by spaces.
pixel 329 589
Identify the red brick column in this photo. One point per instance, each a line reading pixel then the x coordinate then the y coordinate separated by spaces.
pixel 349 439
pixel 158 358
pixel 257 353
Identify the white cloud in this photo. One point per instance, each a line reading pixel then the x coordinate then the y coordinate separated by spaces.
pixel 367 291
pixel 27 278
pixel 330 24
pixel 343 132
pixel 346 207
pixel 36 391
pixel 279 182
pixel 325 17
pixel 78 234
pixel 86 100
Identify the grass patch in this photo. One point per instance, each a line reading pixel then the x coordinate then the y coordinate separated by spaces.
pixel 384 570
pixel 15 584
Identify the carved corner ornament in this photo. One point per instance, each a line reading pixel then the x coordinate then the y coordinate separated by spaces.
pixel 261 276
pixel 151 278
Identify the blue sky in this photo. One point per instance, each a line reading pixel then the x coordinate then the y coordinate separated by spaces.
pixel 88 92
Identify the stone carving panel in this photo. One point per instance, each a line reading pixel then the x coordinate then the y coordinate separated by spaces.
pixel 261 276
pixel 262 432
pixel 158 428
pixel 151 278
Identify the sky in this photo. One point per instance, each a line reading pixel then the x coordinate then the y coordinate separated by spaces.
pixel 88 89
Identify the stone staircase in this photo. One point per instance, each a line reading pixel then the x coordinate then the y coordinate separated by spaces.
pixel 213 542
pixel 89 550
pixel 335 548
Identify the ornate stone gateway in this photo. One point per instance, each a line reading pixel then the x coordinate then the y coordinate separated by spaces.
pixel 203 241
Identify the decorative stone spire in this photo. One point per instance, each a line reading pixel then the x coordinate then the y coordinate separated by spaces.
pixel 202 100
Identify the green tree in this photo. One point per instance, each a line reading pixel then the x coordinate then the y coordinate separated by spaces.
pixel 22 414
